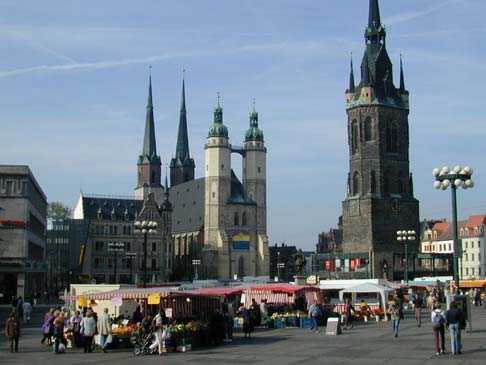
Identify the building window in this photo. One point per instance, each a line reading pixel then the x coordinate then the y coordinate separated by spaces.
pixel 373 182
pixel 472 244
pixel 110 262
pixel 154 246
pixel 472 257
pixel 115 230
pixel 391 137
pixel 367 129
pixel 243 219
pixel 241 267
pixel 236 219
pixel 450 246
pixel 354 136
pixel 355 183
pixel 154 264
pixel 99 246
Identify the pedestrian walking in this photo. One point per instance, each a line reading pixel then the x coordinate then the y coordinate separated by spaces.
pixel 27 311
pixel 454 320
pixel 247 321
pixel 160 322
pixel 12 331
pixel 104 328
pixel 48 327
pixel 348 314
pixel 438 320
pixel 314 314
pixel 417 305
pixel 88 330
pixel 75 326
pixel 394 310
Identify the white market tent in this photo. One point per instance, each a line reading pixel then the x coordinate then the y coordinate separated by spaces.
pixel 368 288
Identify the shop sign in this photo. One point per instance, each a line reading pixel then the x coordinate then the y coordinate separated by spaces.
pixel 153 299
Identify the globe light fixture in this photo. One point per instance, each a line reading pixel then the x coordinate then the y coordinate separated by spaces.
pixel 455 178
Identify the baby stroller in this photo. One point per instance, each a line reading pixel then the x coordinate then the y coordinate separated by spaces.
pixel 141 343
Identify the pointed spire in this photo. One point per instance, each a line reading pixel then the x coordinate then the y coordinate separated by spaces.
pixel 182 147
pixel 351 75
pixel 149 147
pixel 365 71
pixel 402 78
pixel 374 19
pixel 254 116
pixel 183 98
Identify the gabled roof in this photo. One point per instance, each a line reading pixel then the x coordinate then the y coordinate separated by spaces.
pixel 476 221
pixel 94 207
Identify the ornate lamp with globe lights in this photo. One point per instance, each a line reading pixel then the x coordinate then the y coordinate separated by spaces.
pixel 455 178
pixel 145 228
pixel 405 236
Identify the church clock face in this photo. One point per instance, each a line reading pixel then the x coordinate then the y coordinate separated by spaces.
pixel 395 205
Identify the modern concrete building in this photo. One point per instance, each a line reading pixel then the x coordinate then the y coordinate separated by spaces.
pixel 23 208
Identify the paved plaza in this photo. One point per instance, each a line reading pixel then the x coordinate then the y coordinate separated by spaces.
pixel 366 343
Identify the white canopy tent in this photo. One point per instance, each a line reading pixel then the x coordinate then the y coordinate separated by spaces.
pixel 368 288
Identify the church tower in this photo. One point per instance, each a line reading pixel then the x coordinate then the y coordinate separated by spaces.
pixel 216 195
pixel 255 183
pixel 182 165
pixel 149 165
pixel 380 197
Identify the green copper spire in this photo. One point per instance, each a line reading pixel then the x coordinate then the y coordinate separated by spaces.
pixel 218 129
pixel 254 133
pixel 149 146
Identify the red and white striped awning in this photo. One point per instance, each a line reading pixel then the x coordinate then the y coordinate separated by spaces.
pixel 128 293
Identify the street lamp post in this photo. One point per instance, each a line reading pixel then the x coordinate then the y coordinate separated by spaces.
pixel 405 236
pixel 196 263
pixel 116 247
pixel 454 179
pixel 145 228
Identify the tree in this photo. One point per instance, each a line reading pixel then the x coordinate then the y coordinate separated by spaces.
pixel 58 211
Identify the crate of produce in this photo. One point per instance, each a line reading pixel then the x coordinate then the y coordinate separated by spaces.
pixel 305 322
pixel 279 322
pixel 292 321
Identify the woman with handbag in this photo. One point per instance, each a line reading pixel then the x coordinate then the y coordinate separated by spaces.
pixel 88 330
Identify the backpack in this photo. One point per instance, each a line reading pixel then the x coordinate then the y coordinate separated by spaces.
pixel 438 320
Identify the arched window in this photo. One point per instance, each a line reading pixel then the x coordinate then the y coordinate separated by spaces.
pixel 367 129
pixel 355 183
pixel 241 267
pixel 391 137
pixel 243 219
pixel 236 219
pixel 354 136
pixel 373 182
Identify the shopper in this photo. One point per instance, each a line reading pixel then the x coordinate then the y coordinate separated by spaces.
pixel 104 328
pixel 88 330
pixel 27 310
pixel 314 314
pixel 438 320
pixel 454 319
pixel 394 310
pixel 12 331
pixel 417 307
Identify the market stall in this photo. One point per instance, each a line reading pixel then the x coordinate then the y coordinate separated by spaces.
pixel 366 288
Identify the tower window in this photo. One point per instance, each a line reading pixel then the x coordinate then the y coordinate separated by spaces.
pixel 236 219
pixel 367 129
pixel 373 182
pixel 222 167
pixel 259 170
pixel 243 219
pixel 391 137
pixel 354 136
pixel 355 183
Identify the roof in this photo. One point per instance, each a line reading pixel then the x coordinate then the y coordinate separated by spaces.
pixel 238 194
pixel 188 206
pixel 476 221
pixel 219 291
pixel 367 288
pixel 122 208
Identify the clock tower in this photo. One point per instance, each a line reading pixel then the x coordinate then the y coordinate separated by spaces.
pixel 379 199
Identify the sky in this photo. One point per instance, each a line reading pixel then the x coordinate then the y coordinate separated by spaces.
pixel 74 80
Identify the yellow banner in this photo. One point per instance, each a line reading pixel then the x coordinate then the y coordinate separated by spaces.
pixel 153 299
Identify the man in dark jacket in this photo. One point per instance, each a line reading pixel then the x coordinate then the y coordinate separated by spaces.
pixel 454 319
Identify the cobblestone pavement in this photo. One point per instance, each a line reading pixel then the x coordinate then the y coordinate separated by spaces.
pixel 366 343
